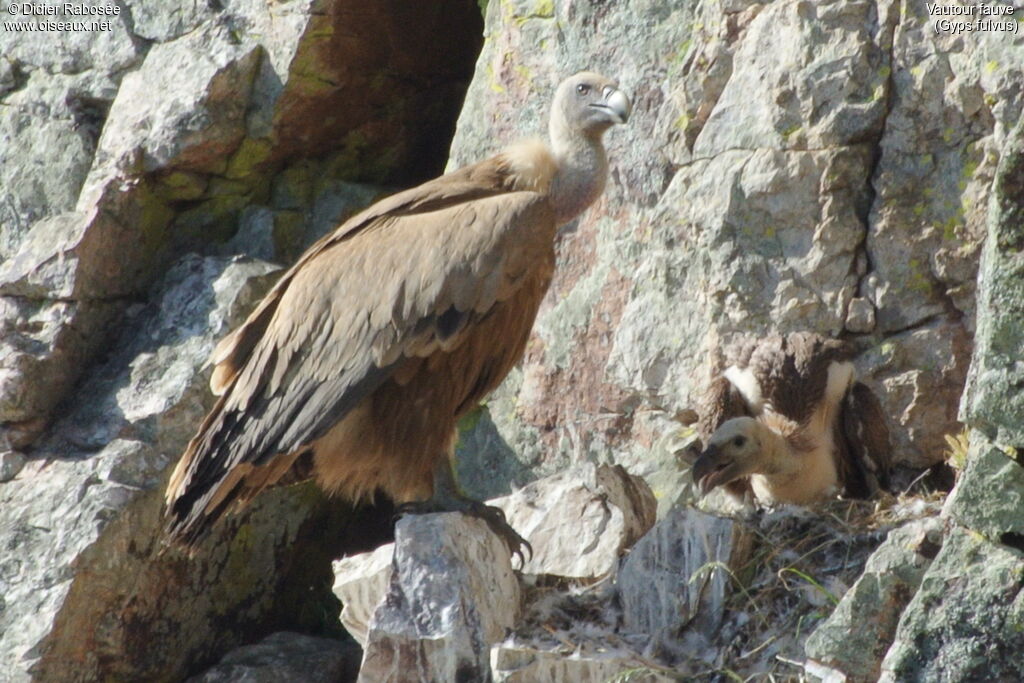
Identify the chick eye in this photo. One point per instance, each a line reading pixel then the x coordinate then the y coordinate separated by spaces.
pixel 582 89
pixel 739 441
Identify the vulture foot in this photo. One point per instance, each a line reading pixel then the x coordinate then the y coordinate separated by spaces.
pixel 493 516
pixel 448 498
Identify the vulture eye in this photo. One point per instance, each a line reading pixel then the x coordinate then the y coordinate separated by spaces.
pixel 583 88
pixel 739 441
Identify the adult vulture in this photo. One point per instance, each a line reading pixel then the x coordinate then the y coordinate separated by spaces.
pixel 356 366
pixel 788 422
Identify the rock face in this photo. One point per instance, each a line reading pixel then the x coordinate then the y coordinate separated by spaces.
pixel 992 404
pixel 974 630
pixel 860 630
pixel 525 665
pixel 578 522
pixel 965 609
pixel 678 575
pixel 361 582
pixel 971 633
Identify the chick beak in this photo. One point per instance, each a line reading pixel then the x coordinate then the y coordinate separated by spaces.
pixel 711 469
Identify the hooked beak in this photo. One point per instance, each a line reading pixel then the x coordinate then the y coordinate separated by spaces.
pixel 615 103
pixel 713 469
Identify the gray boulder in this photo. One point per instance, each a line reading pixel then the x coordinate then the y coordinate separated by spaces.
pixel 964 622
pixel 452 595
pixel 858 633
pixel 286 657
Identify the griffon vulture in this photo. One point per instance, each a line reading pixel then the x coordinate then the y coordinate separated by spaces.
pixel 788 421
pixel 356 366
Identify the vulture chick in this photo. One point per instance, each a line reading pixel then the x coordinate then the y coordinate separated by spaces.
pixel 356 366
pixel 788 422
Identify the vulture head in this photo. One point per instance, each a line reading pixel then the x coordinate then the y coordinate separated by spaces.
pixel 733 451
pixel 588 104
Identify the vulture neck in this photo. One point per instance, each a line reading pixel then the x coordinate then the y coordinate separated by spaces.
pixel 777 457
pixel 582 168
pixel 793 468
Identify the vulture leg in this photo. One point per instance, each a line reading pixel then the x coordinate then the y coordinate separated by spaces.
pixel 448 498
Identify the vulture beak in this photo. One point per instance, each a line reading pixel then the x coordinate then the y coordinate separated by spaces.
pixel 615 103
pixel 713 468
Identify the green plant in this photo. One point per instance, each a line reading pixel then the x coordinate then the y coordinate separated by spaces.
pixel 956 453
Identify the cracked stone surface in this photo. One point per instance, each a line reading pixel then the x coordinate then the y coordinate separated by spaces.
pixel 451 595
pixel 966 619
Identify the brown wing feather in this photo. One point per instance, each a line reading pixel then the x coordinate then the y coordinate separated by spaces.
pixel 864 448
pixel 720 402
pixel 399 280
pixel 485 179
pixel 792 371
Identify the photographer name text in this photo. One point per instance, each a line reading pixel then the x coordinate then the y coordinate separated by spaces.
pixel 36 17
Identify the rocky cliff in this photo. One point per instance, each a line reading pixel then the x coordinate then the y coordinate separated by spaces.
pixel 836 166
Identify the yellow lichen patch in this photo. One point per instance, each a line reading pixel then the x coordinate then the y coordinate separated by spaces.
pixel 524 74
pixel 949 229
pixel 470 420
pixel 543 9
pixel 918 282
pixel 182 185
pixel 492 80
pixel 249 155
pixel 677 57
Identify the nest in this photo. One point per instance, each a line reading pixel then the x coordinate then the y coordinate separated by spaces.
pixel 789 569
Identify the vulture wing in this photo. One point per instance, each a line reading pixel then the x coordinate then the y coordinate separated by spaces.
pixel 722 401
pixel 402 279
pixel 792 371
pixel 864 463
